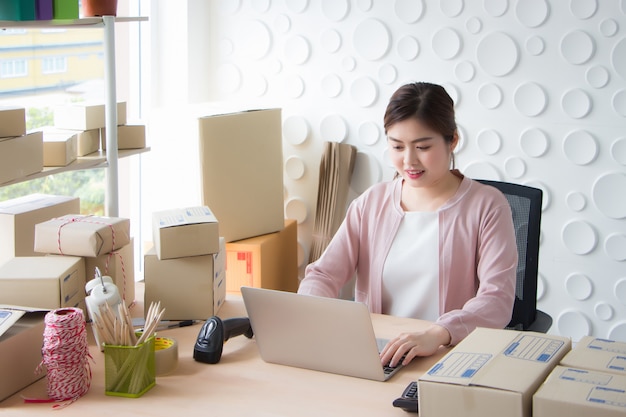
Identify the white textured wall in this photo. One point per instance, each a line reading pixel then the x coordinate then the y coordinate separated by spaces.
pixel 540 95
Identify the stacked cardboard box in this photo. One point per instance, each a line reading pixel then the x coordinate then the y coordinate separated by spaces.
pixel 21 153
pixel 185 269
pixel 491 372
pixel 589 381
pixel 267 261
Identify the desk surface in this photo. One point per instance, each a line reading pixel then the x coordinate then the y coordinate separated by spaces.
pixel 240 384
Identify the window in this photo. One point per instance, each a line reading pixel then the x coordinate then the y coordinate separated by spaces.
pixel 53 65
pixel 14 68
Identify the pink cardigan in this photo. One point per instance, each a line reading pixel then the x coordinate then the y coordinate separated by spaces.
pixel 477 263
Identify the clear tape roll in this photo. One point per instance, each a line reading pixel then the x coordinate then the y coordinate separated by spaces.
pixel 165 355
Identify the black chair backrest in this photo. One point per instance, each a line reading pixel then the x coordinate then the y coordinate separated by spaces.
pixel 525 205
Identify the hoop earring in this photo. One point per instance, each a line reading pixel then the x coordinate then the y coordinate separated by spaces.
pixel 452 160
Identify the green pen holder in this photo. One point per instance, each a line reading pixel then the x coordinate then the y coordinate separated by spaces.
pixel 129 371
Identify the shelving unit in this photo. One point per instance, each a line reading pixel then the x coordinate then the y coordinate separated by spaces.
pixel 108 160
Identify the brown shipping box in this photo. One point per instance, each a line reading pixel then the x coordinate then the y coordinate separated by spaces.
pixel 598 355
pixel 20 353
pixel 85 116
pixel 120 266
pixel 492 372
pixel 20 156
pixel 183 232
pixel 12 121
pixel 184 286
pixel 45 282
pixel 128 137
pixel 87 141
pixel 19 216
pixel 81 235
pixel 575 392
pixel 267 261
pixel 241 165
pixel 59 149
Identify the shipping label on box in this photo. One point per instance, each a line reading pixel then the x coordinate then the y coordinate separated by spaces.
pixel 183 232
pixel 185 287
pixel 20 156
pixel 20 353
pixel 491 372
pixel 46 282
pixel 80 235
pixel 19 216
pixel 12 121
pixel 576 392
pixel 598 354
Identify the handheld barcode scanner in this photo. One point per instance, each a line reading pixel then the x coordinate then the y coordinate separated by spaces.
pixel 214 333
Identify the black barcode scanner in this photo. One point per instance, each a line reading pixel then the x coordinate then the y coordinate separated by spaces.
pixel 214 333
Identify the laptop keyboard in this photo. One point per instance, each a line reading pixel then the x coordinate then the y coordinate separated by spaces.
pixel 389 369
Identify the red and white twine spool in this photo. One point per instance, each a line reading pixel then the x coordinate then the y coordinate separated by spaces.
pixel 65 353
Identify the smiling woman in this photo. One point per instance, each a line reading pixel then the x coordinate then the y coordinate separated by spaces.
pixel 420 243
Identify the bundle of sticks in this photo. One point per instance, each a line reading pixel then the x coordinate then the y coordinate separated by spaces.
pixel 117 328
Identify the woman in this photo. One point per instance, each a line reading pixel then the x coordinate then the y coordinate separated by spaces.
pixel 431 244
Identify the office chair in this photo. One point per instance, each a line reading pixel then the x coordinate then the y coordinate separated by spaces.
pixel 525 205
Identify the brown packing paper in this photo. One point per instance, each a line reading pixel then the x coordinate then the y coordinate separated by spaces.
pixel 79 235
pixel 336 169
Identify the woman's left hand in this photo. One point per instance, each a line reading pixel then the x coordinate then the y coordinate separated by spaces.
pixel 423 343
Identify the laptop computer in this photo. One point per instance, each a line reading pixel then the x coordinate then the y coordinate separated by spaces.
pixel 318 333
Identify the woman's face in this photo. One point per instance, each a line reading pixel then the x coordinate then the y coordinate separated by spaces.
pixel 420 155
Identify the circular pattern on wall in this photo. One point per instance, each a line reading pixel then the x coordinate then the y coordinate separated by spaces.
pixel 367 171
pixel 364 91
pixel 335 10
pixel 609 27
pixel 282 23
pixel 495 8
pixel 256 39
pixel 371 39
pixel 331 85
pixel 577 47
pixel 535 45
pixel 618 58
pixel 330 40
pixel 387 74
pixel 294 86
pixel 514 167
pixel 615 246
pixel 295 130
pixel 574 324
pixel 530 99
pixel 583 9
pixel 409 11
pixel 489 141
pixel 490 96
pixel 408 48
pixel 579 237
pixel 369 133
pixel 446 43
pixel 474 25
pixel 497 54
pixel 576 201
pixel 611 203
pixel 481 170
pixel 580 147
pixel 464 71
pixel 297 50
pixel 294 167
pixel 451 8
pixel 296 6
pixel 619 290
pixel 618 150
pixel 333 128
pixel 619 102
pixel 295 208
pixel 229 78
pixel 603 311
pixel 534 142
pixel 532 13
pixel 597 76
pixel 618 332
pixel 579 286
pixel 576 103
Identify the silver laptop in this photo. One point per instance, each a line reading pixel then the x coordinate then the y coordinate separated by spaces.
pixel 318 333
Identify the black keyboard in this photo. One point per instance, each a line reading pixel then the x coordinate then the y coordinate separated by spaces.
pixel 409 399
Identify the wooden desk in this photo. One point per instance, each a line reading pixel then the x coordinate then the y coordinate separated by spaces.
pixel 241 384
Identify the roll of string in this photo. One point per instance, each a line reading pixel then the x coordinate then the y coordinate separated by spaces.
pixel 65 354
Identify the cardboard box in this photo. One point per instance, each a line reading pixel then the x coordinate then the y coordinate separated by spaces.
pixel 219 276
pixel 268 261
pixel 241 161
pixel 46 282
pixel 80 235
pixel 575 392
pixel 21 156
pixel 87 141
pixel 120 266
pixel 20 353
pixel 85 116
pixel 183 232
pixel 492 372
pixel 128 137
pixel 12 121
pixel 184 286
pixel 598 355
pixel 19 216
pixel 59 148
